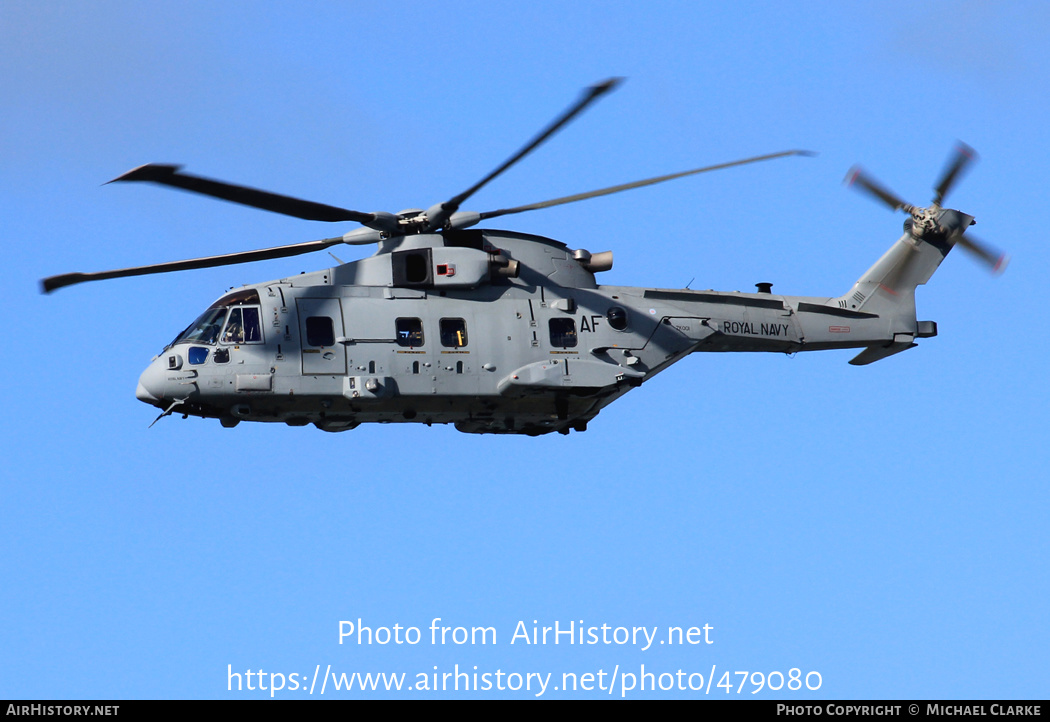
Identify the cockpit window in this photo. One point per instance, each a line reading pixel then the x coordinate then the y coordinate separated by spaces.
pixel 205 329
pixel 243 326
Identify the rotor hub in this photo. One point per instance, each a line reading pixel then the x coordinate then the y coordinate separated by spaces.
pixel 925 221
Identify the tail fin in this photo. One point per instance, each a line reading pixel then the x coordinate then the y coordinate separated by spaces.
pixel 888 287
pixel 888 290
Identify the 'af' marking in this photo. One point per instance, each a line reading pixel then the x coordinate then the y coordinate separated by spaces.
pixel 589 327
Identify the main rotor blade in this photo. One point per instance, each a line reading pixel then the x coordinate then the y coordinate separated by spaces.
pixel 636 184
pixel 964 155
pixel 995 260
pixel 589 96
pixel 170 175
pixel 857 177
pixel 229 259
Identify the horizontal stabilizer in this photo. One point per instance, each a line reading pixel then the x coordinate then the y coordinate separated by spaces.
pixel 875 353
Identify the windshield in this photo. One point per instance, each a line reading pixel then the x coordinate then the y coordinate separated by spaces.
pixel 205 329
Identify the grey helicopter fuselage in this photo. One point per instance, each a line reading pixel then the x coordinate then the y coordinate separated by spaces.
pixel 495 332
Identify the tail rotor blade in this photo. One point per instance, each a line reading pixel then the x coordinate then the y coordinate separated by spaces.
pixel 857 178
pixel 995 260
pixel 964 155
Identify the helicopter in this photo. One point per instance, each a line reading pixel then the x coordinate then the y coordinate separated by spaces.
pixel 498 331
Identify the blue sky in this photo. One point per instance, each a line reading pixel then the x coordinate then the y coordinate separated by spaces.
pixel 884 526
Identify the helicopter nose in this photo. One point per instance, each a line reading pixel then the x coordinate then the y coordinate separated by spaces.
pixel 143 395
pixel 151 385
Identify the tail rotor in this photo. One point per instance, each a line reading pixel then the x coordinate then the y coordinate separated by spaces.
pixel 936 224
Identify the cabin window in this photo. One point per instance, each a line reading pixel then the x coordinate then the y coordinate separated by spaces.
pixel 319 331
pixel 453 332
pixel 409 332
pixel 563 332
pixel 243 326
pixel 197 355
